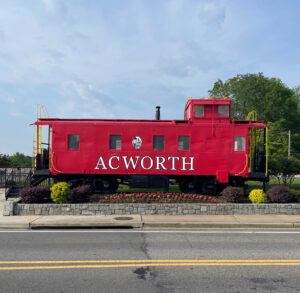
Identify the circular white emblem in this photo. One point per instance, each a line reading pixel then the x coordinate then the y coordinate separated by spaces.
pixel 137 142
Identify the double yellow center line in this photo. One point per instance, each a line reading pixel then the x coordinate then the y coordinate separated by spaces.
pixel 85 264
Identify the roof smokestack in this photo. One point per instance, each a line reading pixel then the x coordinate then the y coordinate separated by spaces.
pixel 157 116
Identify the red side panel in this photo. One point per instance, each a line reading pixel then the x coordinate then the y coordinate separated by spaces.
pixel 211 149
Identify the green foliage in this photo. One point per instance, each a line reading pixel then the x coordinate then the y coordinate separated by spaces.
pixel 10 183
pixel 273 101
pixel 60 192
pixel 284 169
pixel 20 160
pixel 4 160
pixel 269 97
pixel 16 160
pixel 295 194
pixel 257 196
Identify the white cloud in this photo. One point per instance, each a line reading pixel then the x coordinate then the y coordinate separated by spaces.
pixel 82 100
pixel 16 114
pixel 55 6
pixel 6 98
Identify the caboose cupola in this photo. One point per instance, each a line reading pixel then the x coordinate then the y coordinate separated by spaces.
pixel 200 110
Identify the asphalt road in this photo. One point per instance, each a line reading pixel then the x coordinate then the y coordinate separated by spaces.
pixel 134 261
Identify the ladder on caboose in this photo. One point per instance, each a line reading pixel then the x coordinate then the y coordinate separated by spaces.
pixel 41 112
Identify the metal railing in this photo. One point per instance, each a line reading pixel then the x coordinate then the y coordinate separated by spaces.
pixel 15 176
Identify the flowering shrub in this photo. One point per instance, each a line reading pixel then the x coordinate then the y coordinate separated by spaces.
pixel 80 193
pixel 233 194
pixel 279 194
pixel 60 192
pixel 257 196
pixel 156 197
pixel 36 194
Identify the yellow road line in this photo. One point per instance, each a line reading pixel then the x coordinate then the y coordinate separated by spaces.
pixel 149 265
pixel 153 261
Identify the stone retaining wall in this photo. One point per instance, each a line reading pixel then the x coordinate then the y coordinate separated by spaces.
pixel 13 208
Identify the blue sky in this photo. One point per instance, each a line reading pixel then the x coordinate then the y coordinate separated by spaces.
pixel 119 59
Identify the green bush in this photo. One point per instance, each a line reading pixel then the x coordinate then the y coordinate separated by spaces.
pixel 10 183
pixel 284 169
pixel 295 194
pixel 60 192
pixel 257 196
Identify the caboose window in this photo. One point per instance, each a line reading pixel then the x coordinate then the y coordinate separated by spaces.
pixel 183 143
pixel 115 142
pixel 239 143
pixel 223 110
pixel 198 111
pixel 158 142
pixel 73 141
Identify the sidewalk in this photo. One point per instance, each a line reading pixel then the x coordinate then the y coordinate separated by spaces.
pixel 152 222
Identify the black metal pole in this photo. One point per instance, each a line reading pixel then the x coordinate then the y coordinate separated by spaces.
pixel 157 116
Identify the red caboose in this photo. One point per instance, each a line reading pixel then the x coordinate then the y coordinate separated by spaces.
pixel 203 152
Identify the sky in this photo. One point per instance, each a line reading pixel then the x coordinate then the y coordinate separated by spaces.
pixel 122 58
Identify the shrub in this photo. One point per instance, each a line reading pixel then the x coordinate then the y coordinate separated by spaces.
pixel 257 196
pixel 295 194
pixel 156 197
pixel 36 194
pixel 10 183
pixel 233 194
pixel 279 194
pixel 80 193
pixel 60 192
pixel 284 169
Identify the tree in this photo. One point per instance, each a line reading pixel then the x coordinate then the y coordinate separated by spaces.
pixel 20 160
pixel 284 169
pixel 5 160
pixel 269 97
pixel 273 101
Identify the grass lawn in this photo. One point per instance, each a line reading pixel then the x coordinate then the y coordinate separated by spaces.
pixel 273 182
pixel 175 188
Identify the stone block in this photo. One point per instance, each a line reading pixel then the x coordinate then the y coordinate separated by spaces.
pixel 203 209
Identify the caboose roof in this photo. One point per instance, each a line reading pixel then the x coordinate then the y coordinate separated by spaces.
pixel 209 101
pixel 46 121
pixel 61 121
pixel 190 101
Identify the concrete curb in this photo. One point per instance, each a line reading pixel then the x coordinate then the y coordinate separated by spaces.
pixel 29 226
pixel 22 226
pixel 222 225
